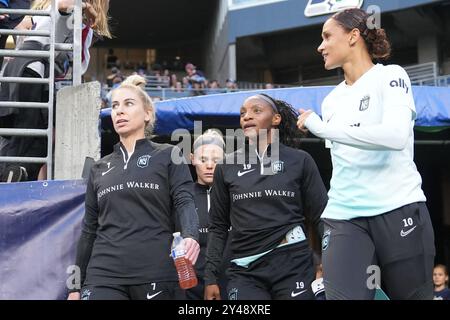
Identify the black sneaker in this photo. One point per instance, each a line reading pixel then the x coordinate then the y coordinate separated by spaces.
pixel 14 173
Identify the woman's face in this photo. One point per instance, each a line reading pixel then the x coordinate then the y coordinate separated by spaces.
pixel 439 277
pixel 335 46
pixel 204 160
pixel 256 116
pixel 128 113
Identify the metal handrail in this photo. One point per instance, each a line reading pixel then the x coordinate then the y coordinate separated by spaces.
pixel 24 33
pixel 26 12
pixel 24 132
pixel 13 104
pixel 25 53
pixel 24 159
pixel 25 80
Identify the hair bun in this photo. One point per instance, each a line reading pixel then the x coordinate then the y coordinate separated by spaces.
pixel 135 80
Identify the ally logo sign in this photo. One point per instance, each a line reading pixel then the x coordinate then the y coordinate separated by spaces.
pixel 322 7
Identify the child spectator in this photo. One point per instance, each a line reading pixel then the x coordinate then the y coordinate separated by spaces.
pixel 440 281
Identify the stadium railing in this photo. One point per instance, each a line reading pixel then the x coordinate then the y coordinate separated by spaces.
pixel 50 81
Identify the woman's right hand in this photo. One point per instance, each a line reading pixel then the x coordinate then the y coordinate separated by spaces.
pixel 74 296
pixel 302 119
pixel 212 292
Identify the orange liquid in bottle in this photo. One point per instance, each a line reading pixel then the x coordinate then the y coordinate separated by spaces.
pixel 186 273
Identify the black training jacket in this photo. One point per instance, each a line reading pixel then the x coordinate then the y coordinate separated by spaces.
pixel 261 201
pixel 131 203
pixel 202 197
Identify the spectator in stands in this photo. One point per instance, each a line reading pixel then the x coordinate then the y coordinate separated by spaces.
pixel 157 74
pixel 166 76
pixel 141 72
pixel 10 21
pixel 95 22
pixel 111 59
pixel 173 81
pixel 124 247
pixel 116 81
pixel 114 73
pixel 230 85
pixel 104 95
pixel 25 24
pixel 178 87
pixel 377 212
pixel 196 79
pixel 197 88
pixel 214 87
pixel 440 280
pixel 269 86
pixel 186 83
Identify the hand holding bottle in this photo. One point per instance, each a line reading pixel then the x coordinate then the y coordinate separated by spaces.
pixel 192 249
pixel 183 260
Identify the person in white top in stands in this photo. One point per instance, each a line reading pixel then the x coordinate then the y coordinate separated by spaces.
pixel 376 220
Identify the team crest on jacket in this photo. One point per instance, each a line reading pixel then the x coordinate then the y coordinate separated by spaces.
pixel 277 167
pixel 85 294
pixel 364 104
pixel 143 161
pixel 233 294
pixel 326 240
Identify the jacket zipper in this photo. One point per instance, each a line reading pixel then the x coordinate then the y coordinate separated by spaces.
pixel 125 160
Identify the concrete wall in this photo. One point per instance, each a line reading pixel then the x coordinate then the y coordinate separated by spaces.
pixel 77 133
pixel 220 54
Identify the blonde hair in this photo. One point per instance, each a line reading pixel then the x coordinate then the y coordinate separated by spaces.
pixel 101 7
pixel 135 80
pixel 41 4
pixel 210 136
pixel 137 84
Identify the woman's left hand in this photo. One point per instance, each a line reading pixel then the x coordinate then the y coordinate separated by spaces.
pixel 302 119
pixel 192 249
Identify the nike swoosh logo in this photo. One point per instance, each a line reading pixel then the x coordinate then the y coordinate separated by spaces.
pixel 405 233
pixel 240 174
pixel 153 295
pixel 103 173
pixel 295 294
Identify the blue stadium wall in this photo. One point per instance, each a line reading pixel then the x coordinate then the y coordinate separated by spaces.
pixel 289 14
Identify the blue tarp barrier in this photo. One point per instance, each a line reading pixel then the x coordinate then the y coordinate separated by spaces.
pixel 432 105
pixel 39 230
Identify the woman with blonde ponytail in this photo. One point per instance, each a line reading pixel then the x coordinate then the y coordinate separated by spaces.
pixel 133 198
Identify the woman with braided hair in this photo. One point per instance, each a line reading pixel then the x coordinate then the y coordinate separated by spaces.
pixel 376 223
pixel 264 191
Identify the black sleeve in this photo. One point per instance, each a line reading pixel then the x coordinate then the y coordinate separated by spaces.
pixel 88 228
pixel 314 196
pixel 219 223
pixel 181 192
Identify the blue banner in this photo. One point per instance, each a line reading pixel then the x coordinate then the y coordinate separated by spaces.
pixel 39 230
pixel 222 110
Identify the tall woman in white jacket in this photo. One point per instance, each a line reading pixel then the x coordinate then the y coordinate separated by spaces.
pixel 377 227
